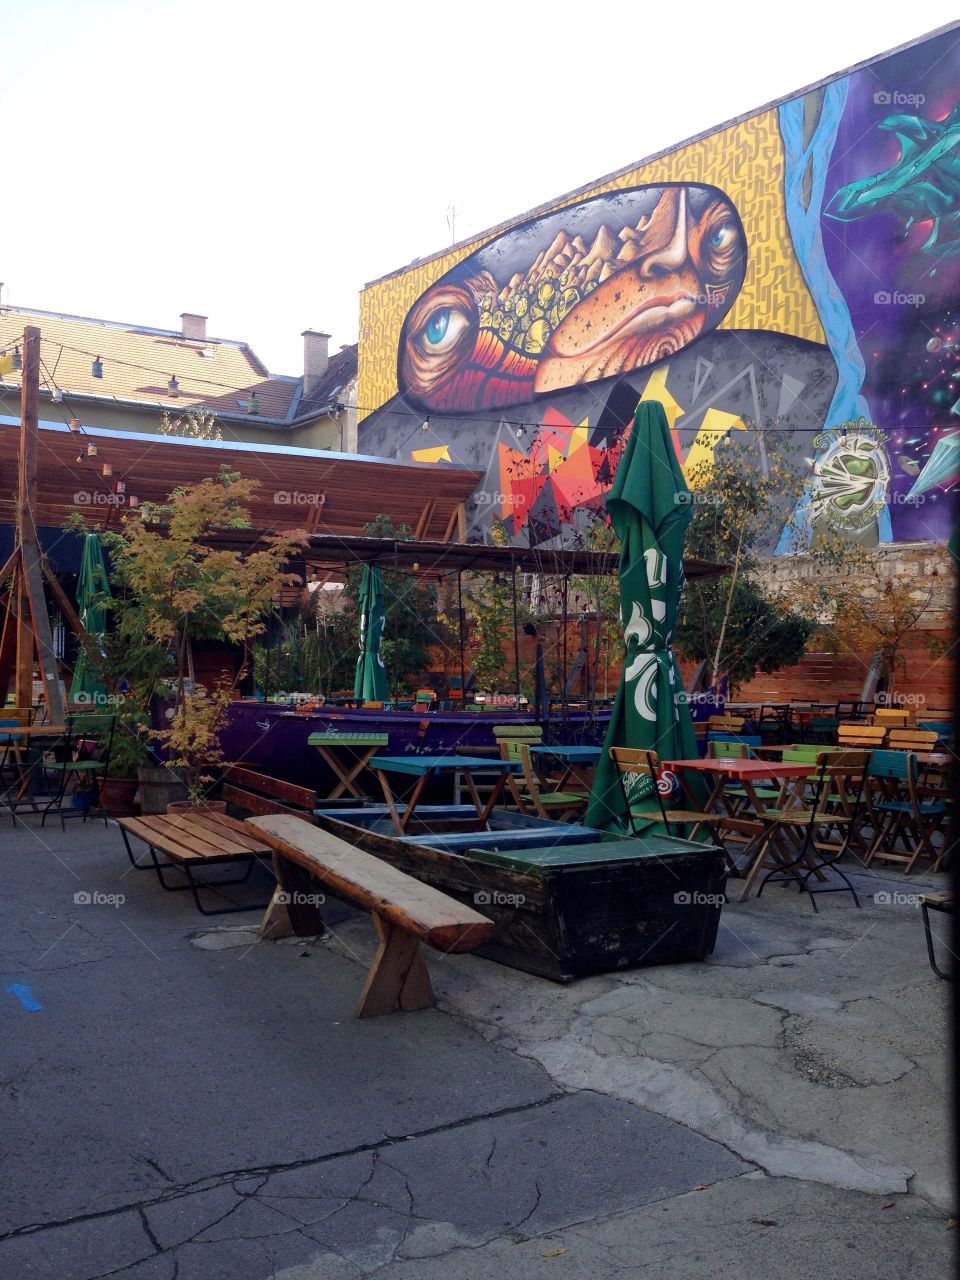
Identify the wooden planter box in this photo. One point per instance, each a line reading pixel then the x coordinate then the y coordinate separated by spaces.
pixel 566 900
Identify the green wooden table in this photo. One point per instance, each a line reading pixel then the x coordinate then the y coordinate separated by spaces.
pixel 348 755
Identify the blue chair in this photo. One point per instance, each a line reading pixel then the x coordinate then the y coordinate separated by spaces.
pixel 901 812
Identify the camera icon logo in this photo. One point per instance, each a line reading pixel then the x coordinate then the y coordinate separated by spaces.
pixel 82 898
pixel 682 899
pixel 482 897
pixel 881 98
pixel 882 898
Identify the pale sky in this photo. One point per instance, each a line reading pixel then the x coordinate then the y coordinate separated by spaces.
pixel 259 162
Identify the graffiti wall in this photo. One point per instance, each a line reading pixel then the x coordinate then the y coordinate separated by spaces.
pixel 794 274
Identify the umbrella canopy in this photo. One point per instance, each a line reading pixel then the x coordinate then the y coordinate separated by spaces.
pixel 649 505
pixel 370 683
pixel 91 584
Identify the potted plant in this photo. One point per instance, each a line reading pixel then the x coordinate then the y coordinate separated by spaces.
pixel 130 752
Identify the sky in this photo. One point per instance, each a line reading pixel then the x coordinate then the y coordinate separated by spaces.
pixel 258 163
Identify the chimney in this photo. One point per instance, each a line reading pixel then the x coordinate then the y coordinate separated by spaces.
pixel 193 327
pixel 315 358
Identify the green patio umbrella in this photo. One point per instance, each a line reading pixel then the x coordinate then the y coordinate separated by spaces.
pixel 649 504
pixel 92 582
pixel 370 683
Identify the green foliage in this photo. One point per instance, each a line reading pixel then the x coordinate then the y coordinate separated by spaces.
pixel 489 600
pixel 197 424
pixel 738 502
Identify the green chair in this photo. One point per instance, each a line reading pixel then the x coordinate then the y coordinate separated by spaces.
pixel 79 760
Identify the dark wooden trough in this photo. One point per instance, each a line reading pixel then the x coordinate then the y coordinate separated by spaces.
pixel 566 900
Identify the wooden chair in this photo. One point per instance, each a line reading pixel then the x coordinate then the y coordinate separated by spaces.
pixel 837 774
pixel 637 775
pixel 861 735
pixel 424 699
pixel 910 738
pixel 902 812
pixel 891 717
pixel 725 724
pixel 405 911
pixel 81 757
pixel 530 794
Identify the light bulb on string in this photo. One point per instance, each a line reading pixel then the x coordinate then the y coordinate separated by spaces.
pixel 74 425
pixel 96 367
pixel 91 450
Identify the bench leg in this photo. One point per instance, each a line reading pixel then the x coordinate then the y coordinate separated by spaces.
pixel 398 975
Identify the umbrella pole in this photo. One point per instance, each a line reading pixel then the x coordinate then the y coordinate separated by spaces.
pixel 463 660
pixel 516 636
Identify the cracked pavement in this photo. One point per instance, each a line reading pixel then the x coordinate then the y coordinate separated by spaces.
pixel 189 1104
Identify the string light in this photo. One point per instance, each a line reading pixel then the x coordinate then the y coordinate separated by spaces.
pixel 17 358
pixel 74 425
pixel 173 386
pixel 107 469
pixel 96 368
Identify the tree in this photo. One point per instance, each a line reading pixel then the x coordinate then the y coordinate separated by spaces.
pixel 489 598
pixel 177 585
pixel 197 424
pixel 738 500
pixel 863 605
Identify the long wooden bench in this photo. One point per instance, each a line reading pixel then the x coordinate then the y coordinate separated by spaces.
pixel 257 794
pixel 405 911
pixel 191 840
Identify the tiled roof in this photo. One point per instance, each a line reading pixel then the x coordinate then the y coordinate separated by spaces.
pixel 341 371
pixel 138 362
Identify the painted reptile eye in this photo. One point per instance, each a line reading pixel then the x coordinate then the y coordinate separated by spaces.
pixel 443 329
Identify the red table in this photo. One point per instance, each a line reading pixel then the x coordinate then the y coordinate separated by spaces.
pixel 747 773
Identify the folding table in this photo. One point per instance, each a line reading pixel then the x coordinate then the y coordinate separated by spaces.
pixel 348 755
pixel 423 768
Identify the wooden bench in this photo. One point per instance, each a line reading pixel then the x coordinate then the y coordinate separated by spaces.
pixel 935 902
pixel 256 793
pixel 191 840
pixel 405 912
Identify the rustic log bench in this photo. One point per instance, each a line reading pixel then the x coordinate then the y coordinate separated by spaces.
pixel 191 840
pixel 405 912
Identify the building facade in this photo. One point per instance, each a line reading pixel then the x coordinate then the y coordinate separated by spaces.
pixel 795 271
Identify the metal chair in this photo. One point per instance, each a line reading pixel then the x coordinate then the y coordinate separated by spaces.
pixel 902 813
pixel 81 756
pixel 842 770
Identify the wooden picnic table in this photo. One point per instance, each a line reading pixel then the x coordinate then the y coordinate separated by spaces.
pixel 16 740
pixel 745 772
pixel 348 755
pixel 424 767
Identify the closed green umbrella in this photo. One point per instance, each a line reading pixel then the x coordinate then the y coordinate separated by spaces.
pixel 91 585
pixel 649 505
pixel 370 683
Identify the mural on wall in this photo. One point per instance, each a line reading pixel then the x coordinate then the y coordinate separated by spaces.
pixel 798 271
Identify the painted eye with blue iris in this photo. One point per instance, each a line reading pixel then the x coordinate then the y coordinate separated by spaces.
pixel 442 329
pixel 722 243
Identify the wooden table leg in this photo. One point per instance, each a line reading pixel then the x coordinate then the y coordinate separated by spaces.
pixel 398 975
pixel 495 795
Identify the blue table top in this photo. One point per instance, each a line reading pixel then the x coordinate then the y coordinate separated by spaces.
pixel 572 755
pixel 439 764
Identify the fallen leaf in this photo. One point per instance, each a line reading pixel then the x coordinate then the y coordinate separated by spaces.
pixel 764 1222
pixel 702 1187
pixel 888 1204
pixel 554 1253
pixel 951 1222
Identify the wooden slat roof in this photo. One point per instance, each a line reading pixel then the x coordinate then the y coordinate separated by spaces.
pixel 329 493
